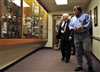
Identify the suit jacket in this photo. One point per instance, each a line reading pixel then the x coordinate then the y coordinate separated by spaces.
pixel 67 31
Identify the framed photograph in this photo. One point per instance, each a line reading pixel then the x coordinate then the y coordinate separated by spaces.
pixel 96 16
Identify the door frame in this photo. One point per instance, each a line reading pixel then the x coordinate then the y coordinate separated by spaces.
pixel 53 29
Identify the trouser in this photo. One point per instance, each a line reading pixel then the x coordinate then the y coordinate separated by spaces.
pixel 57 42
pixel 73 45
pixel 65 47
pixel 82 40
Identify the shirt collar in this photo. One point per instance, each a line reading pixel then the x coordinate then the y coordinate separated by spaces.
pixel 78 15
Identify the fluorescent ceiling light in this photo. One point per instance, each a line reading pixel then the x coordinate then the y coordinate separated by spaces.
pixel 18 3
pixel 61 2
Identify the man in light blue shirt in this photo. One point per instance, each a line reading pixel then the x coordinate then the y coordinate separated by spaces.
pixel 80 25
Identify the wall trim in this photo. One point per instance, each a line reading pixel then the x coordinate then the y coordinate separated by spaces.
pixel 48 48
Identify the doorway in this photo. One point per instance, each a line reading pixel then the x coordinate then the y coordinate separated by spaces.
pixel 56 21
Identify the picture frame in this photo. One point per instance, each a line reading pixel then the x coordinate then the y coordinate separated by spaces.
pixel 96 16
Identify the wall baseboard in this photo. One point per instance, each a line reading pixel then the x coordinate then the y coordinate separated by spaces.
pixel 47 47
pixel 95 57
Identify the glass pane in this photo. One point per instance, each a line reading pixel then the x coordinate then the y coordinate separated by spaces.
pixel 31 20
pixel 10 19
pixel 43 23
pixel 35 28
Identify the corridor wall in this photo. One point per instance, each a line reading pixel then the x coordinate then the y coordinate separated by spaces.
pixel 96 29
pixel 12 53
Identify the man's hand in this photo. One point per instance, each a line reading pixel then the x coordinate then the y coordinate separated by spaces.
pixel 75 28
pixel 70 38
pixel 62 31
pixel 82 27
pixel 78 28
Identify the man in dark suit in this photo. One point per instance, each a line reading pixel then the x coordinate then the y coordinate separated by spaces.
pixel 64 34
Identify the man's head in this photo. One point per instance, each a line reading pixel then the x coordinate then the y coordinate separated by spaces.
pixel 65 16
pixel 77 10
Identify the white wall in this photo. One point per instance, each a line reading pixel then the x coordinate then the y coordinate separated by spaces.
pixel 96 30
pixel 91 7
pixel 99 29
pixel 49 43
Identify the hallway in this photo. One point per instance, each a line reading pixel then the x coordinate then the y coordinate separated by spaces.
pixel 49 60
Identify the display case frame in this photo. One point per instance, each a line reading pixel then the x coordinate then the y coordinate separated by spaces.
pixel 10 21
pixel 22 39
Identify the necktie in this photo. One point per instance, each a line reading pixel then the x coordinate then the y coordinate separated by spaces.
pixel 64 27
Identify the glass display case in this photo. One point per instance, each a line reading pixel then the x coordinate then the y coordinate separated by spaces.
pixel 35 27
pixel 35 21
pixel 24 19
pixel 31 20
pixel 10 19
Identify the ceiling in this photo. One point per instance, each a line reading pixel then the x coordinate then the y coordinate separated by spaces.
pixel 50 5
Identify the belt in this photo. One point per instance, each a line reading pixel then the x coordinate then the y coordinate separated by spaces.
pixel 81 32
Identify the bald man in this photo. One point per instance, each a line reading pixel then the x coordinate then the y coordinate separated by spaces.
pixel 65 35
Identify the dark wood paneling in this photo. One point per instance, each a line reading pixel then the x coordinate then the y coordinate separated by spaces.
pixel 19 41
pixel 13 46
pixel 0 18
